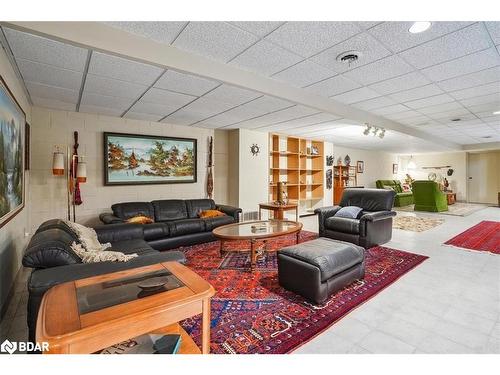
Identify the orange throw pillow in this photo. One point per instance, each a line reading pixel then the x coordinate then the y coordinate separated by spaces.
pixel 140 220
pixel 210 213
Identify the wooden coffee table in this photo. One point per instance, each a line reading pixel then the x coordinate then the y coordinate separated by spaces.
pixel 247 231
pixel 75 318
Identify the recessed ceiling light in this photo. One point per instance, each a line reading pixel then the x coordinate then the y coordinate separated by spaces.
pixel 419 26
pixel 456 119
pixel 487 136
pixel 496 113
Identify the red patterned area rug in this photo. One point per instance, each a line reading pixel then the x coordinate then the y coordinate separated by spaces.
pixel 484 236
pixel 252 314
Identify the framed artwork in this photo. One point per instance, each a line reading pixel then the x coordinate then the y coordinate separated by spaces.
pixel 12 127
pixel 360 166
pixel 27 134
pixel 133 159
pixel 394 169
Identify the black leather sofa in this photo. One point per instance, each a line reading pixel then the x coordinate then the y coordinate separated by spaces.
pixel 176 221
pixel 372 227
pixel 49 254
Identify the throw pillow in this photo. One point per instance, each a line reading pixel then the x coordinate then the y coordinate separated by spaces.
pixel 349 212
pixel 210 213
pixel 387 187
pixel 141 219
pixel 406 188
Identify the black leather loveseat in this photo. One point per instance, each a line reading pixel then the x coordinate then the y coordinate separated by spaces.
pixel 176 221
pixel 373 226
pixel 53 261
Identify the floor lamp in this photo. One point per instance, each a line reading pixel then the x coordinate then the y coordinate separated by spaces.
pixel 78 174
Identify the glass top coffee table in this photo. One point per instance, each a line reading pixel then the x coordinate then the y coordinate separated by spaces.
pixel 254 231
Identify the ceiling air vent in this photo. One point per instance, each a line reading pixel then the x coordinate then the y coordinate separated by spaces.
pixel 456 119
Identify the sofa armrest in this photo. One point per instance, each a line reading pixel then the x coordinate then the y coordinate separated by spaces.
pixel 119 232
pixel 376 216
pixel 323 214
pixel 230 211
pixel 108 218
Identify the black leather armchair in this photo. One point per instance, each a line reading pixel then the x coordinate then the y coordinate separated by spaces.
pixel 372 227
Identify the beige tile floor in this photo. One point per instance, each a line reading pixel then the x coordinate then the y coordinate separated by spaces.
pixel 448 304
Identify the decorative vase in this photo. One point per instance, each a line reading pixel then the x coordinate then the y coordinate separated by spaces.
pixel 347 160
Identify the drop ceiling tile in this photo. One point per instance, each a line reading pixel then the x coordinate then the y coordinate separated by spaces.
pixel 494 30
pixel 380 70
pixel 164 97
pixel 415 121
pixel 333 86
pixel 113 87
pixel 122 69
pixel 52 92
pixel 49 75
pixel 459 43
pixel 207 107
pixel 118 104
pixel 401 83
pixel 397 108
pixel 471 80
pixel 365 25
pixel 369 105
pixel 429 101
pixel 417 93
pixel 356 95
pixel 268 104
pixel 216 40
pixel 489 88
pixel 259 28
pixel 232 116
pixel 303 74
pixel 301 122
pixel 163 32
pixel 231 95
pixel 184 117
pixel 272 118
pixel 142 116
pixel 53 104
pixel 396 37
pixel 100 110
pixel 46 51
pixel 185 83
pixel 484 99
pixel 463 65
pixel 371 50
pixel 402 115
pixel 440 108
pixel 447 116
pixel 153 108
pixel 309 38
pixel 265 58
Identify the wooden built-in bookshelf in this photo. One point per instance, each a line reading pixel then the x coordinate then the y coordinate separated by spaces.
pixel 343 176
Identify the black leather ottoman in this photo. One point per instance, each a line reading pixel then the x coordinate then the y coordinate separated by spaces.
pixel 316 269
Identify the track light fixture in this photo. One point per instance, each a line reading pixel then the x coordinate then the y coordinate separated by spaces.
pixel 367 130
pixel 375 130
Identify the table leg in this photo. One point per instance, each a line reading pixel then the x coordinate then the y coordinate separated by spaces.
pixel 279 214
pixel 205 334
pixel 297 237
pixel 297 213
pixel 253 254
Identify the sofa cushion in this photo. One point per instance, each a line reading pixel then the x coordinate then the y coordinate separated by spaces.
pixel 195 206
pixel 349 212
pixel 186 226
pixel 213 222
pixel 155 231
pixel 342 224
pixel 408 194
pixel 170 209
pixel 330 256
pixel 368 199
pixel 139 247
pixel 128 210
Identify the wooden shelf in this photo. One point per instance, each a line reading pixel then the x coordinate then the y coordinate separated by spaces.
pixel 188 346
pixel 275 185
pixel 285 169
pixel 283 153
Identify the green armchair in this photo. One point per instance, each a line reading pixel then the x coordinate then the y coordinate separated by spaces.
pixel 402 198
pixel 428 196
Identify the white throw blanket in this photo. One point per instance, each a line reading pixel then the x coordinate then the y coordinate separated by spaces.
pixel 90 250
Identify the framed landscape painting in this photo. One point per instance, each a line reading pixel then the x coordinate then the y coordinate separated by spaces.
pixel 133 159
pixel 12 123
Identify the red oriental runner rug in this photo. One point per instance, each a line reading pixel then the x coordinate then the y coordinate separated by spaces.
pixel 484 236
pixel 252 314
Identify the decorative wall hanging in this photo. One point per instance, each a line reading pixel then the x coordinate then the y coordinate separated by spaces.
pixel 254 149
pixel 12 127
pixel 339 161
pixel 159 160
pixel 27 142
pixel 449 172
pixel 347 160
pixel 329 160
pixel 360 166
pixel 210 178
pixel 329 179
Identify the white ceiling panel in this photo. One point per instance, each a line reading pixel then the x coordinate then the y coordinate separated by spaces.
pixel 429 101
pixel 119 104
pixel 153 108
pixel 375 103
pixel 143 116
pixel 380 70
pixel 356 95
pixel 164 97
pixel 416 93
pixel 272 118
pixel 184 117
pixel 46 51
pixel 100 110
pixel 269 104
pixel 396 37
pixel 113 87
pixel 494 30
pixel 404 82
pixel 440 108
pixel 447 116
pixel 265 58
pixel 489 88
pixel 53 104
pixel 303 74
pixel 308 120
pixel 369 47
pixel 309 38
pixel 185 83
pixel 484 99
pixel 463 65
pixel 232 116
pixel 471 80
pixel 403 115
pixel 49 75
pixel 217 40
pixel 333 86
pixel 231 95
pixel 52 92
pixel 163 32
pixel 207 107
pixel 122 69
pixel 415 121
pixel 460 43
pixel 397 108
pixel 259 28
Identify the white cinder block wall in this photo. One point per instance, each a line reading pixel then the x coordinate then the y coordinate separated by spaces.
pixel 55 128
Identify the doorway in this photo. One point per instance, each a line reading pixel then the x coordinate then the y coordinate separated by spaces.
pixel 483 177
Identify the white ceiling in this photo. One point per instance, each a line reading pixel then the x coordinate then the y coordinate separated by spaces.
pixel 421 80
